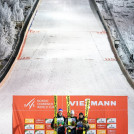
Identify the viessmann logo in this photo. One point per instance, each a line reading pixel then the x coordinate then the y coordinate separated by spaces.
pixel 93 103
pixel 30 104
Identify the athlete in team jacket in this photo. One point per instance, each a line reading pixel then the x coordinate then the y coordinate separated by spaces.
pixel 60 123
pixel 82 124
pixel 71 123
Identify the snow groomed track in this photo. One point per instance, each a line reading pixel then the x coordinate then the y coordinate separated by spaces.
pixel 66 52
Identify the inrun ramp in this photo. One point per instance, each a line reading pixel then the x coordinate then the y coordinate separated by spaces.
pixel 66 53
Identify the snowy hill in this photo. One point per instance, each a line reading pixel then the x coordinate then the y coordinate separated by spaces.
pixel 121 25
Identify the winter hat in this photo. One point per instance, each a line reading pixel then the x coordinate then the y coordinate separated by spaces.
pixel 60 110
pixel 72 112
pixel 80 114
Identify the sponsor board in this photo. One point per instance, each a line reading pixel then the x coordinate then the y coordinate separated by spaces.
pixel 37 109
pixel 39 126
pixel 101 120
pixel 91 132
pixel 29 131
pixel 101 126
pixel 111 131
pixel 101 131
pixel 39 132
pixel 29 121
pixel 48 121
pixel 111 126
pixel 92 126
pixel 39 121
pixel 29 126
pixel 111 120
pixel 92 121
pixel 49 131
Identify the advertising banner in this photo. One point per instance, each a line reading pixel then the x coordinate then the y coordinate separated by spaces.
pixel 34 114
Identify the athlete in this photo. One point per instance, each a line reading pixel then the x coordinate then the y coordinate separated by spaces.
pixel 60 122
pixel 82 124
pixel 71 123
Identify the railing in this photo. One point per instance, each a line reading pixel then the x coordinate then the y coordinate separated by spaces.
pixel 122 42
pixel 113 45
pixel 119 39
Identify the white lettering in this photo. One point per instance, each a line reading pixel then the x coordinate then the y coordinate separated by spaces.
pixel 100 103
pixel 81 103
pixel 72 104
pixel 93 103
pixel 106 103
pixel 113 103
pixel 77 104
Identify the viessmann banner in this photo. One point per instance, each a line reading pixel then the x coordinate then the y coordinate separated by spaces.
pixel 34 114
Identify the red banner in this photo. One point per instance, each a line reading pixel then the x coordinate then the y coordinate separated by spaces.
pixel 34 114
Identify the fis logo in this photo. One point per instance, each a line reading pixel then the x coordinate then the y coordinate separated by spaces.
pixel 30 104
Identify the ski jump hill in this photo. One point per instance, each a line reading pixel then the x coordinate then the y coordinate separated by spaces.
pixel 65 52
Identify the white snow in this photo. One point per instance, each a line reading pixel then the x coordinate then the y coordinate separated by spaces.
pixel 17 12
pixel 123 14
pixel 6 32
pixel 125 20
pixel 68 53
pixel 11 12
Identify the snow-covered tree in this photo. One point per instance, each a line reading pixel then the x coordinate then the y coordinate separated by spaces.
pixel 17 12
pixel 30 2
pixel 5 49
pixel 11 11
pixel 7 31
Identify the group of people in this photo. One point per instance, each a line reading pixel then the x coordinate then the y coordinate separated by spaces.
pixel 73 125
